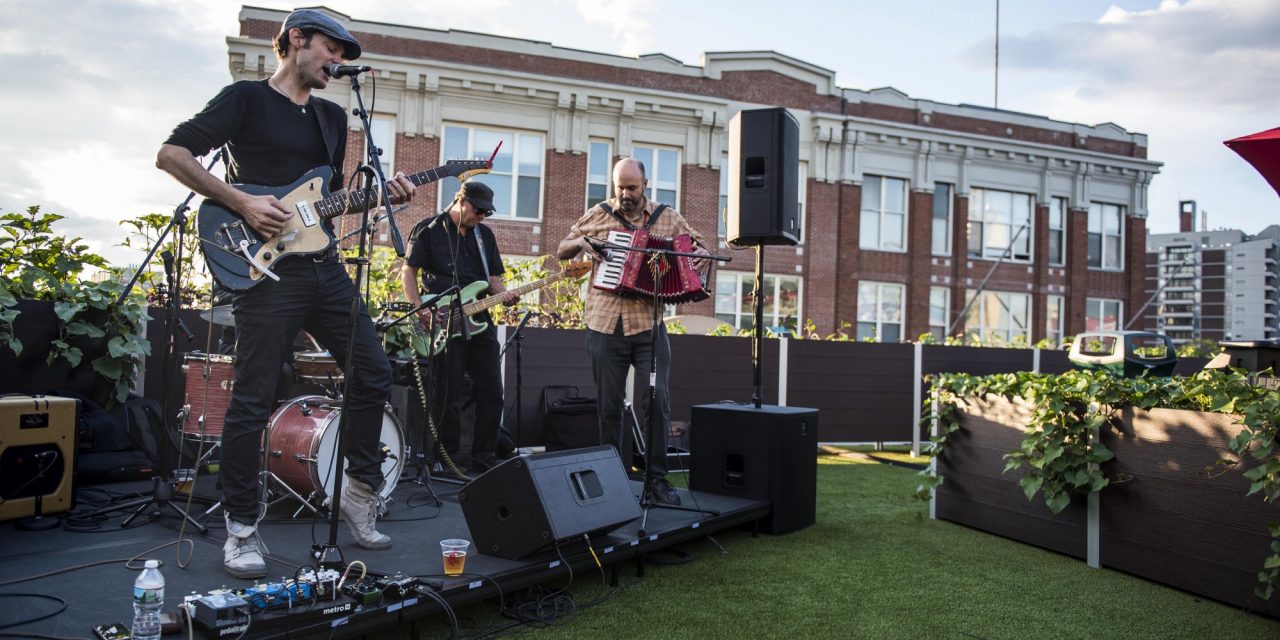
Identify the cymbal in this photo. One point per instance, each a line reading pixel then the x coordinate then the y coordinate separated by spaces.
pixel 219 315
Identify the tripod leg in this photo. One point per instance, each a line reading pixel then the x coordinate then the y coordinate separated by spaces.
pixel 137 512
pixel 192 521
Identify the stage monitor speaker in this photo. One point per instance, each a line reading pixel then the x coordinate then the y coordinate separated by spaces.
pixel 768 453
pixel 37 455
pixel 528 503
pixel 764 167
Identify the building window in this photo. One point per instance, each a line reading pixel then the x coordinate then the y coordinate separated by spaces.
pixel 735 303
pixel 880 311
pixel 1000 225
pixel 1106 236
pixel 941 219
pixel 884 214
pixel 516 178
pixel 1101 314
pixel 999 318
pixel 599 172
pixel 383 129
pixel 662 170
pixel 1053 317
pixel 939 312
pixel 1058 231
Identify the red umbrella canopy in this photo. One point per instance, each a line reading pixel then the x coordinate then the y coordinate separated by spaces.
pixel 1262 150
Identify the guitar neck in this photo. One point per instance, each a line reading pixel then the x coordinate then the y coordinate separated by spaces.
pixel 342 201
pixel 473 308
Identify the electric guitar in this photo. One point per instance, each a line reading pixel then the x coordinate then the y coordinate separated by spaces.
pixel 446 323
pixel 240 258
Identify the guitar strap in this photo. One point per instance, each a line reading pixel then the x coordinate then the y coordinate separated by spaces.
pixel 330 138
pixel 484 260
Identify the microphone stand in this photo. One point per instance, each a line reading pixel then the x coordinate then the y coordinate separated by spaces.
pixel 162 492
pixel 329 555
pixel 653 257
pixel 518 339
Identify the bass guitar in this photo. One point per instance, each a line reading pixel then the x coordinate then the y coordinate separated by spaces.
pixel 447 322
pixel 240 258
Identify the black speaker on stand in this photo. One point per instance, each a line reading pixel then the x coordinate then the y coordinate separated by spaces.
pixel 530 502
pixel 764 174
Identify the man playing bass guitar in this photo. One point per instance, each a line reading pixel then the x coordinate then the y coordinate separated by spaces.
pixel 454 248
pixel 275 131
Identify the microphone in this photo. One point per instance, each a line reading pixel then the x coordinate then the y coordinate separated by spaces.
pixel 343 70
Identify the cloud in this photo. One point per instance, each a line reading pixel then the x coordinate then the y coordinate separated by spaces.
pixel 632 33
pixel 1218 54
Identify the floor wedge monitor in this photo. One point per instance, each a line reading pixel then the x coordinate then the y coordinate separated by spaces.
pixel 530 502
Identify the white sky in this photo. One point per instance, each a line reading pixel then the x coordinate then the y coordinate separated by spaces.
pixel 96 85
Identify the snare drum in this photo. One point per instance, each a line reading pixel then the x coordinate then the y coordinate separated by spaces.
pixel 317 367
pixel 301 438
pixel 209 382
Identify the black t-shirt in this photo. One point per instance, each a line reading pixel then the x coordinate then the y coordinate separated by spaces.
pixel 271 140
pixel 449 258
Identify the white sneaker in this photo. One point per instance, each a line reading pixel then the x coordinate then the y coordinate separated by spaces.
pixel 241 555
pixel 360 505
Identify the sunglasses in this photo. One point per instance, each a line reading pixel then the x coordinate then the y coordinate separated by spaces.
pixel 485 212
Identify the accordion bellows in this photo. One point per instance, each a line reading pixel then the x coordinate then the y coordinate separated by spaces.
pixel 638 273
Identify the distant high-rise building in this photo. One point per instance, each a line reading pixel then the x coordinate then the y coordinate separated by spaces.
pixel 1213 285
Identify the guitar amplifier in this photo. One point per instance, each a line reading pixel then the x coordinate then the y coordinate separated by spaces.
pixel 37 455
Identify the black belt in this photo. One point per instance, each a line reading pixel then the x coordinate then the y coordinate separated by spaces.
pixel 328 254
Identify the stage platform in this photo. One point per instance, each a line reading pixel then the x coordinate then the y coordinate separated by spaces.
pixel 86 569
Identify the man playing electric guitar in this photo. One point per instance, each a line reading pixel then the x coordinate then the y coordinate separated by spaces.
pixel 274 131
pixel 454 248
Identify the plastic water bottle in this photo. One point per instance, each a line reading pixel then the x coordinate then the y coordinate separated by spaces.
pixel 148 600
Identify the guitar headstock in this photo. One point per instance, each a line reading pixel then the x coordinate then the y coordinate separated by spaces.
pixel 464 170
pixel 576 268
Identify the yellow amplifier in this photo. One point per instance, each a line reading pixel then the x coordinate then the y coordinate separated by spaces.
pixel 37 454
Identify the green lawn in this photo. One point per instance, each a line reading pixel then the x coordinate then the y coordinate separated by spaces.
pixel 875 566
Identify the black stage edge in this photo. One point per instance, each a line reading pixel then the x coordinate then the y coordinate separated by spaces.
pixel 102 594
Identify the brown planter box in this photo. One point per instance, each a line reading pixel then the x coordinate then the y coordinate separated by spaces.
pixel 1174 523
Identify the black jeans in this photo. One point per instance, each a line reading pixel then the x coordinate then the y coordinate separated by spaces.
pixel 316 295
pixel 478 359
pixel 611 355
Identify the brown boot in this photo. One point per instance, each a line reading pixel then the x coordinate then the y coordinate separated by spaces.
pixel 360 504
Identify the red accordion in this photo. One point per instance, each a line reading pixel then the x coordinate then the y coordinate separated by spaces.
pixel 632 273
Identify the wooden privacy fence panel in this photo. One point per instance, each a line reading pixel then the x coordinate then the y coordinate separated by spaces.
pixel 862 389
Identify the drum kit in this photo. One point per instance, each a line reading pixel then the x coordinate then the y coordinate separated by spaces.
pixel 301 433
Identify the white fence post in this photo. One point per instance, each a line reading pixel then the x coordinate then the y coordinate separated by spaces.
pixel 916 399
pixel 784 350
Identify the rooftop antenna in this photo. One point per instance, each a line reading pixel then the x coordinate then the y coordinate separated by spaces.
pixel 995 100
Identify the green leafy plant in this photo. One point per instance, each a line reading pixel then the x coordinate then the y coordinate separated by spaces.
pixel 38 264
pixel 142 234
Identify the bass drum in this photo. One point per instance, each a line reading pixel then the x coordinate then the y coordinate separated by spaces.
pixel 302 436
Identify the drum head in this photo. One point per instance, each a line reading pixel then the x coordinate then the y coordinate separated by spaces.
pixel 390 443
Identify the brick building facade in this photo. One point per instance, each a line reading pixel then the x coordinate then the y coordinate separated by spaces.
pixel 882 252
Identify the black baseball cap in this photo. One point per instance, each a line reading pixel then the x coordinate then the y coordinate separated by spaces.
pixel 478 194
pixel 324 23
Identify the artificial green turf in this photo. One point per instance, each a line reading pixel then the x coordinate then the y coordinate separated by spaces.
pixel 875 566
